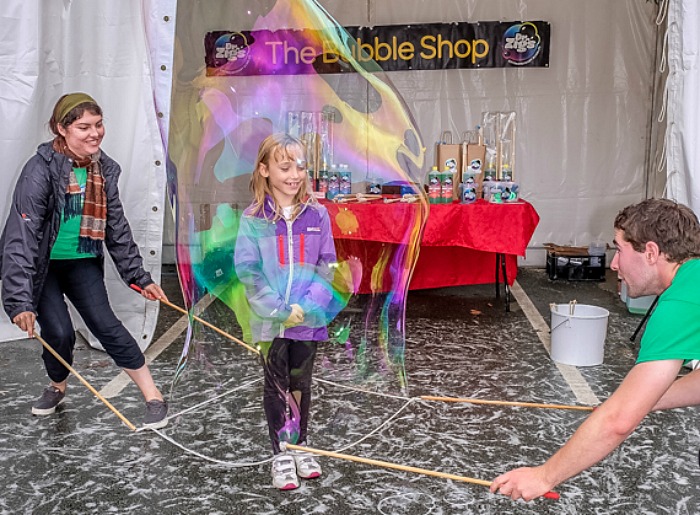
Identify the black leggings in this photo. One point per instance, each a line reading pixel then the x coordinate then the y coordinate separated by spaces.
pixel 82 281
pixel 288 365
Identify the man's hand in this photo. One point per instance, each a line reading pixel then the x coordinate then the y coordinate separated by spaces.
pixel 523 483
pixel 25 321
pixel 297 316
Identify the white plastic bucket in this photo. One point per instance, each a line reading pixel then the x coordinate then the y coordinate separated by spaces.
pixel 578 339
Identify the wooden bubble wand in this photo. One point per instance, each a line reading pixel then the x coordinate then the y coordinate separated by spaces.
pixel 84 381
pixel 397 466
pixel 506 403
pixel 423 397
pixel 203 322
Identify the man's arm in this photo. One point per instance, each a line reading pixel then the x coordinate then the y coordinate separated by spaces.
pixel 682 393
pixel 606 428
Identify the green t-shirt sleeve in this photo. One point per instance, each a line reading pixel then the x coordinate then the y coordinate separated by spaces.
pixel 673 332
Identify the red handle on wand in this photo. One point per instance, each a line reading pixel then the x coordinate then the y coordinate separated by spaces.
pixel 135 288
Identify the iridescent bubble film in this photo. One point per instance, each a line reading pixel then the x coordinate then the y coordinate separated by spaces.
pixel 357 135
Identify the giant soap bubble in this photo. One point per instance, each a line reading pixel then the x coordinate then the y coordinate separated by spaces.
pixel 287 66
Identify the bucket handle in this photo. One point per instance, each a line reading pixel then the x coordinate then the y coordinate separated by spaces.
pixel 572 307
pixel 560 323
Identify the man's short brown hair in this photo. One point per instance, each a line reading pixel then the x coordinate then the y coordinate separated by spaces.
pixel 672 226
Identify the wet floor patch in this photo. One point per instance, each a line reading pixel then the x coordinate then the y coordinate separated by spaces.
pixel 460 343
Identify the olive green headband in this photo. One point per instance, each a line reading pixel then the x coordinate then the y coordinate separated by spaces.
pixel 70 102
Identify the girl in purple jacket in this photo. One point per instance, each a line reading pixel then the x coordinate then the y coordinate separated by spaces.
pixel 285 258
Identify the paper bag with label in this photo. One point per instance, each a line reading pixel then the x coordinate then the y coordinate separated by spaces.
pixel 448 154
pixel 449 157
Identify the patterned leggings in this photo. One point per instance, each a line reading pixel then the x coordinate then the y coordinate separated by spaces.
pixel 288 365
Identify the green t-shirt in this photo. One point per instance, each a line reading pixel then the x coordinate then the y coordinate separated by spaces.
pixel 66 245
pixel 673 330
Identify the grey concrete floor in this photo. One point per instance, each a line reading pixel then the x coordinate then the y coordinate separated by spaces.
pixel 460 342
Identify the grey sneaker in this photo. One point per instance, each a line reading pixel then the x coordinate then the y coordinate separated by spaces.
pixel 156 411
pixel 46 404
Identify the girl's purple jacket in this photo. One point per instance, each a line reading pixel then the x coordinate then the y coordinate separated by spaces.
pixel 284 262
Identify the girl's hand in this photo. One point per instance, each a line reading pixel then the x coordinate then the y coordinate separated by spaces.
pixel 297 316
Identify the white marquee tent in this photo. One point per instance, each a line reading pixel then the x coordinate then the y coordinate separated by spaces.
pixel 598 129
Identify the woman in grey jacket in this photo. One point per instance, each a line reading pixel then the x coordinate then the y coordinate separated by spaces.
pixel 64 208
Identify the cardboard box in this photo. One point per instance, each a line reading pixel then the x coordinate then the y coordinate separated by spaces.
pixel 573 263
pixel 575 268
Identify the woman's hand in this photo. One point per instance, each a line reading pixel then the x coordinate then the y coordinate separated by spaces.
pixel 154 292
pixel 25 321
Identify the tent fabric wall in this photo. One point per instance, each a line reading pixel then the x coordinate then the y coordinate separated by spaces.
pixel 683 90
pixel 656 152
pixel 51 48
pixel 583 124
pixel 159 21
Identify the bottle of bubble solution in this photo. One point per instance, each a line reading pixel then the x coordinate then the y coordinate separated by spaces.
pixel 434 187
pixel 345 180
pixel 506 173
pixel 374 185
pixel 490 169
pixel 322 183
pixel 468 189
pixel 446 186
pixel 333 183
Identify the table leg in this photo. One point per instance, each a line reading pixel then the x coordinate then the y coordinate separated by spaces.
pixel 498 266
pixel 506 288
pixel 501 266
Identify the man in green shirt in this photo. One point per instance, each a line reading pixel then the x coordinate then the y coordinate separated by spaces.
pixel 658 246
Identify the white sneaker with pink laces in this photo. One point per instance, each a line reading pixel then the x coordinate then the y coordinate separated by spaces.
pixel 284 472
pixel 307 466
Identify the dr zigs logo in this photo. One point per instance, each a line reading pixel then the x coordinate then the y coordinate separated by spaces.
pixel 232 52
pixel 521 44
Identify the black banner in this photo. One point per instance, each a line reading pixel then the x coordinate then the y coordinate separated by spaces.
pixel 434 46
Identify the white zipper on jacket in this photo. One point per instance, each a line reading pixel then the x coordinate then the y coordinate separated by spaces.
pixel 290 257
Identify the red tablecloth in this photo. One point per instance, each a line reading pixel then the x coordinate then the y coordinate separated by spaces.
pixel 459 244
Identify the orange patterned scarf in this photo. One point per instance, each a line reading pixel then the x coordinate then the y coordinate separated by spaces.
pixel 92 208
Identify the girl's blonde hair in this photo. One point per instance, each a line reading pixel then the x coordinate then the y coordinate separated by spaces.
pixel 277 146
